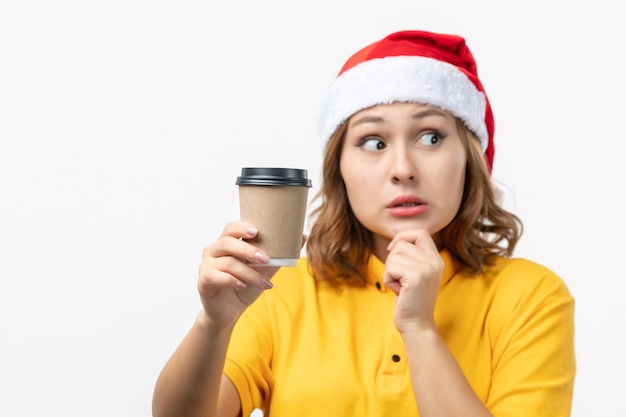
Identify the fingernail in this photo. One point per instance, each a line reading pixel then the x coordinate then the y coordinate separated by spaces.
pixel 252 231
pixel 240 285
pixel 261 257
pixel 266 284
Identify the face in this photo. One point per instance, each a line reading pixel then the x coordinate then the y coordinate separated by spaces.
pixel 403 166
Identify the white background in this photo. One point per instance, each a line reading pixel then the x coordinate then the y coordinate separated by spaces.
pixel 123 125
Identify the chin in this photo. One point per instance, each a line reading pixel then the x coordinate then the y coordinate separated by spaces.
pixel 411 225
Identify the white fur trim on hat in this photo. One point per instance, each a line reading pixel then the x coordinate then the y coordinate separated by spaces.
pixel 403 79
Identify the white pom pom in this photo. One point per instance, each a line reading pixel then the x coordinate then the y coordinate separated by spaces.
pixel 257 412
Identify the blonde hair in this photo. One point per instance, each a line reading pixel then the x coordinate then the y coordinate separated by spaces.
pixel 339 246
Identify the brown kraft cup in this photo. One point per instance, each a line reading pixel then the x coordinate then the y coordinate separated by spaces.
pixel 274 200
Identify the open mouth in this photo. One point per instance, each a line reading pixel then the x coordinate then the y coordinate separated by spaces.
pixel 407 206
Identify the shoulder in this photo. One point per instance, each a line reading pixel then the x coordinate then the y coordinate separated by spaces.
pixel 520 291
pixel 521 275
pixel 509 288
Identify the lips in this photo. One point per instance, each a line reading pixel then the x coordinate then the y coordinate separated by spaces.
pixel 407 206
pixel 406 201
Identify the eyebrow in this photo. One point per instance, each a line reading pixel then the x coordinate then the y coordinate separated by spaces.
pixel 419 115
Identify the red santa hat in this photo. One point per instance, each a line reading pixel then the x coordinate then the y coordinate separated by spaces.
pixel 411 66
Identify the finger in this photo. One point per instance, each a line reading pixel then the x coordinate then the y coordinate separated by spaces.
pixel 240 230
pixel 229 246
pixel 231 243
pixel 211 280
pixel 233 273
pixel 418 237
pixel 404 257
pixel 304 239
pixel 407 259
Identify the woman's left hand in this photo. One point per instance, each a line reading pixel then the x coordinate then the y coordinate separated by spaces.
pixel 413 272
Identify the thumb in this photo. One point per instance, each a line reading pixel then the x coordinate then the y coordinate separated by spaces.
pixel 304 238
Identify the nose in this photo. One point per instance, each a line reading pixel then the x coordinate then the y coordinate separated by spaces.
pixel 403 168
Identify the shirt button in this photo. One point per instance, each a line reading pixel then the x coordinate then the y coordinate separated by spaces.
pixel 378 285
pixel 395 358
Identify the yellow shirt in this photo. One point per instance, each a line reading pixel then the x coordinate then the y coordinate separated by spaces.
pixel 306 349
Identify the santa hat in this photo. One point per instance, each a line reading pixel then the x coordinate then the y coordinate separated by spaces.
pixel 411 66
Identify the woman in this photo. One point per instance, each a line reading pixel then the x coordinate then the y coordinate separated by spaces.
pixel 408 302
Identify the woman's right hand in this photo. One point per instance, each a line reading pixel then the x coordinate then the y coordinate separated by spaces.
pixel 227 283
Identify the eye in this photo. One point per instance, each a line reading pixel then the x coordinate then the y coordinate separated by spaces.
pixel 430 138
pixel 372 143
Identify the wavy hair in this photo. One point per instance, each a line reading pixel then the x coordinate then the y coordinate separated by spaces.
pixel 339 246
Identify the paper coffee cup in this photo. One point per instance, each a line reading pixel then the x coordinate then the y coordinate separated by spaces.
pixel 274 200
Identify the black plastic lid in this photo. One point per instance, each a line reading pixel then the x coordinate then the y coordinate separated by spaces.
pixel 273 176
